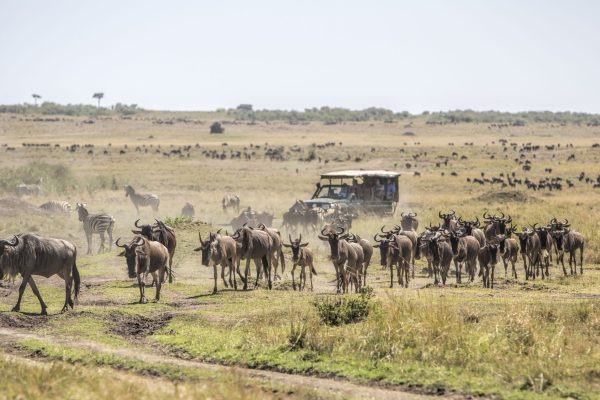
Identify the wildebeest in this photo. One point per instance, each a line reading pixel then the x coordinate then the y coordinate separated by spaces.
pixel 367 248
pixel 142 200
pixel 465 250
pixel 445 256
pixel 487 263
pixel 161 233
pixel 277 248
pixel 472 228
pixel 96 223
pixel 570 241
pixel 231 201
pixel 495 225
pixel 188 210
pixel 301 256
pixel 220 250
pixel 508 248
pixel 256 245
pixel 145 257
pixel 29 254
pixel 57 207
pixel 346 258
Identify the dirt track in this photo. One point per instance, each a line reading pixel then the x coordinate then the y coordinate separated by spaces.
pixel 328 387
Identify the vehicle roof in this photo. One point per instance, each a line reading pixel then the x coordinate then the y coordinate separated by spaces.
pixel 360 173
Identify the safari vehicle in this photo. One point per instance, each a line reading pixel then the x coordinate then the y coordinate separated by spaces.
pixel 361 191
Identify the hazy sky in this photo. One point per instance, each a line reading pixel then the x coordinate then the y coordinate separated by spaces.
pixel 403 55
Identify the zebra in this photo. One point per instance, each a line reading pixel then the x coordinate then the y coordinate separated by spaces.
pixel 142 200
pixel 96 223
pixel 28 190
pixel 57 207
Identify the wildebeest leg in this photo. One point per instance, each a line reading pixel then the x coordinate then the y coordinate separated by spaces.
pixel 22 287
pixel 245 278
pixel 514 270
pixel 505 262
pixel 581 260
pixel 257 264
pixel 267 262
pixel 141 283
pixel 525 266
pixel 302 277
pixel 158 285
pixel 161 278
pixel 458 268
pixel 293 277
pixel 215 266
pixel 39 296
pixel 312 268
pixel 223 274
pixel 171 268
pixel 364 274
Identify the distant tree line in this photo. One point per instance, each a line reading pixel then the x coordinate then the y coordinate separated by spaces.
pixel 51 108
pixel 334 115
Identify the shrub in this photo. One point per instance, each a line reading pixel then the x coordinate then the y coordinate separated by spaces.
pixel 217 128
pixel 176 222
pixel 336 310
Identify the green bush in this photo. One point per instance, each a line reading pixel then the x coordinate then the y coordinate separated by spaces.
pixel 178 221
pixel 341 310
pixel 217 128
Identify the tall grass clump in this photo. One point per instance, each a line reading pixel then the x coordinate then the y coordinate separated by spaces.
pixel 56 178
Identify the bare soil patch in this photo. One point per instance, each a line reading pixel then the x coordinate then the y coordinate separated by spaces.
pixel 505 197
pixel 10 206
pixel 138 325
pixel 19 320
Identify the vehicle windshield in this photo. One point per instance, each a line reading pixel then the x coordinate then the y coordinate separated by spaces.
pixel 332 192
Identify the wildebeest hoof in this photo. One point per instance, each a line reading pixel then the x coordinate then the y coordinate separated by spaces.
pixel 16 309
pixel 64 310
pixel 214 291
pixel 44 312
pixel 143 300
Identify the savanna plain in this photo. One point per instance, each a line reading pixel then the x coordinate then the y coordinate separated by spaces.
pixel 523 339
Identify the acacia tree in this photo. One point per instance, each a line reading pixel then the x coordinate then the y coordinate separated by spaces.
pixel 98 96
pixel 36 97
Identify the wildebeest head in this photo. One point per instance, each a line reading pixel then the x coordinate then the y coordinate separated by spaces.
pixel 131 252
pixel 454 240
pixel 499 222
pixel 8 243
pixel 205 248
pixel 468 225
pixel 409 221
pixel 492 250
pixel 543 235
pixel 333 238
pixel 82 212
pixel 447 218
pixel 383 243
pixel 144 230
pixel 296 246
pixel 523 236
pixel 558 239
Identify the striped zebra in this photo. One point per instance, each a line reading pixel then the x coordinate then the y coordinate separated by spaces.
pixel 96 223
pixel 142 200
pixel 57 207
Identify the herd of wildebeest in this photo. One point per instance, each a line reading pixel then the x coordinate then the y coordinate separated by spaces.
pixel 465 243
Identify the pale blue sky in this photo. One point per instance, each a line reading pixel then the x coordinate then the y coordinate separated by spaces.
pixel 202 55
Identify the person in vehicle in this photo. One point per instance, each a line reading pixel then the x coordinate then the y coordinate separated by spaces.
pixel 379 189
pixel 390 189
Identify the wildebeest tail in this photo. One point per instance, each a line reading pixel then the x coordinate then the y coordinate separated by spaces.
pixel 265 264
pixel 76 281
pixel 312 268
pixel 282 260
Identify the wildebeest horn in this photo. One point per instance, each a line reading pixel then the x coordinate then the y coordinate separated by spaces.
pixel 200 237
pixel 534 226
pixel 440 214
pixel 300 240
pixel 375 238
pixel 13 242
pixel 219 230
pixel 323 231
pixel 136 223
pixel 142 243
pixel 402 214
pixel 341 232
pixel 290 236
pixel 476 221
pixel 452 212
pixel 566 221
pixel 509 220
pixel 412 214
pixel 120 245
pixel 382 231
